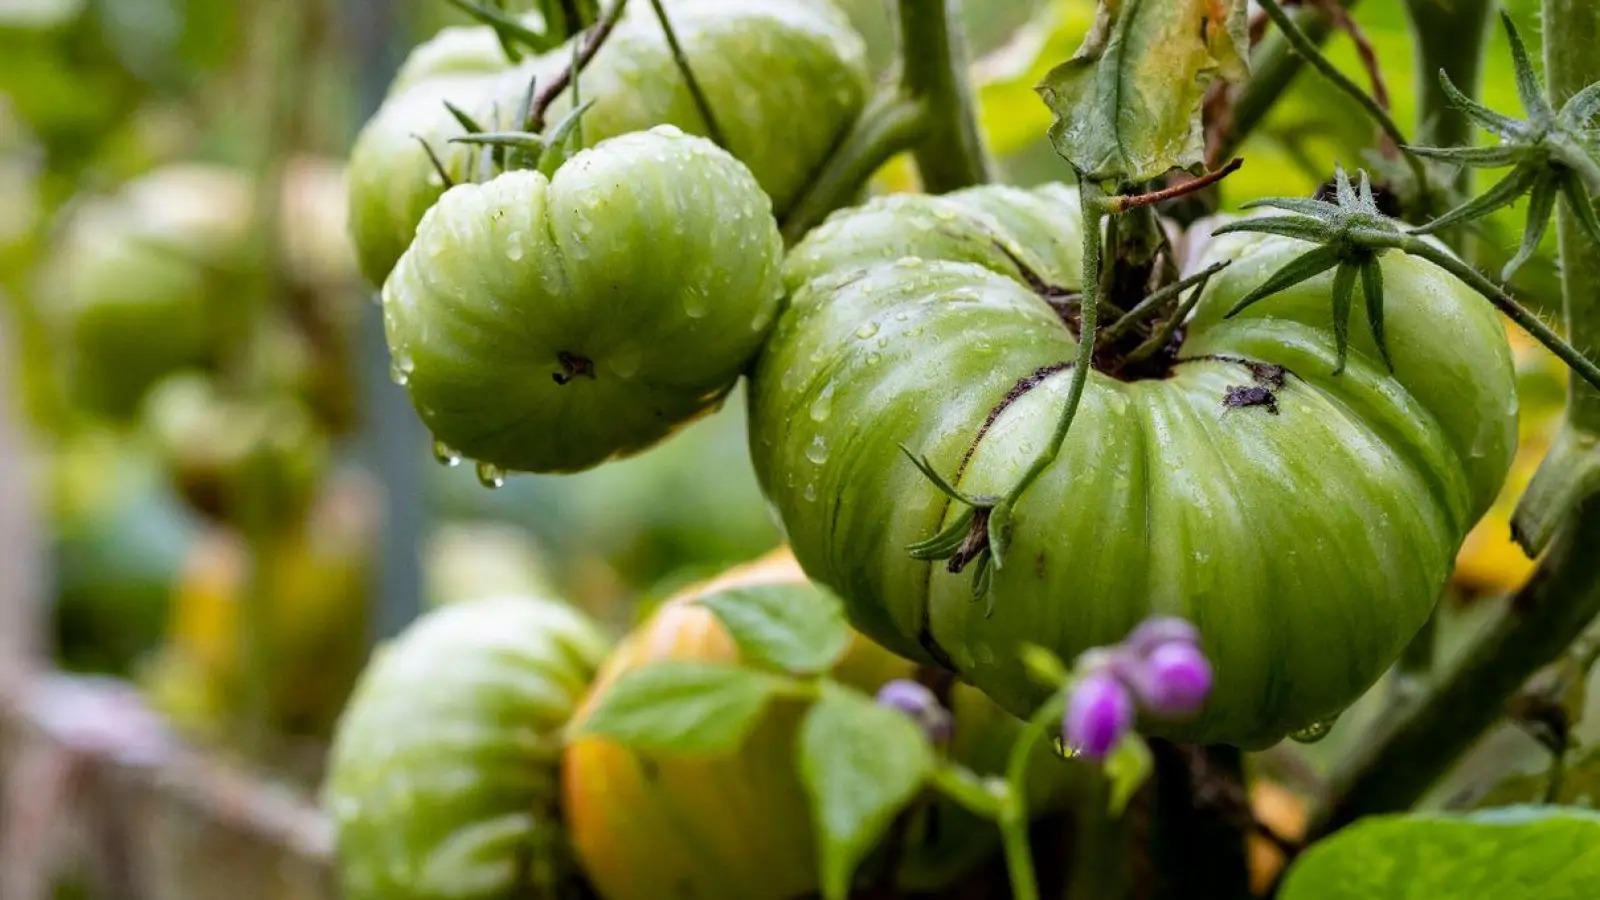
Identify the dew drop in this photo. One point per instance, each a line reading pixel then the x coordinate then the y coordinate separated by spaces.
pixel 818 451
pixel 695 302
pixel 491 476
pixel 445 455
pixel 909 262
pixel 626 363
pixel 514 246
pixel 822 407
pixel 867 331
pixel 811 492
pixel 1314 732
pixel 400 367
pixel 1059 745
pixel 874 358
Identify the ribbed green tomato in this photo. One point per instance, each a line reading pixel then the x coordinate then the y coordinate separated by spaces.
pixel 784 81
pixel 1307 537
pixel 443 776
pixel 549 324
pixel 134 282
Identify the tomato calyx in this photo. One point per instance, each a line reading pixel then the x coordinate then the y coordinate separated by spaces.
pixel 1553 153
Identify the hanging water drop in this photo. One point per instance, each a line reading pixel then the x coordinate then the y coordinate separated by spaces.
pixel 491 476
pixel 1314 732
pixel 1059 745
pixel 445 455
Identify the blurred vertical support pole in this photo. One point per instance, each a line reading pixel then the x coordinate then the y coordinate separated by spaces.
pixel 22 551
pixel 395 441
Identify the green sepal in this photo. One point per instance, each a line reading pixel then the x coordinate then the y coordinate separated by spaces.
pixel 1344 290
pixel 1541 204
pixel 514 36
pixel 556 151
pixel 1372 287
pixel 1306 266
pixel 1504 193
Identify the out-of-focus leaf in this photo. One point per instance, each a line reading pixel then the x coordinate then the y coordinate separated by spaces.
pixel 861 763
pixel 680 707
pixel 1127 104
pixel 1513 853
pixel 798 628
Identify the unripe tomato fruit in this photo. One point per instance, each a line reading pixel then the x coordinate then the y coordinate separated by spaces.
pixel 133 284
pixel 1307 539
pixel 550 324
pixel 442 779
pixel 739 826
pixel 784 81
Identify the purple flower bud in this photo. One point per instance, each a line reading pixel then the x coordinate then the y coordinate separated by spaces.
pixel 1174 681
pixel 1099 714
pixel 1159 631
pixel 916 701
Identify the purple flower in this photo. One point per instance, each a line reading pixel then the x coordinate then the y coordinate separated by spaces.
pixel 1099 714
pixel 1159 631
pixel 916 701
pixel 1173 681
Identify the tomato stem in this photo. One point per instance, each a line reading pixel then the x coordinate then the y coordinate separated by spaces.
pixel 933 57
pixel 588 46
pixel 1274 66
pixel 1380 116
pixel 1094 203
pixel 703 105
pixel 891 124
pixel 1582 367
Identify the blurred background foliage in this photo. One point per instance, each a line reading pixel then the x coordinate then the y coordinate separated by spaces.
pixel 129 151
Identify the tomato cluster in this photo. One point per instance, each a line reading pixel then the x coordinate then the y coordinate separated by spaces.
pixel 582 296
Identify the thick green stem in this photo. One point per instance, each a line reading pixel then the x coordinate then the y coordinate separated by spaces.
pixel 1583 368
pixel 933 56
pixel 1411 750
pixel 1013 813
pixel 1102 868
pixel 891 124
pixel 1572 34
pixel 1449 36
pixel 1274 66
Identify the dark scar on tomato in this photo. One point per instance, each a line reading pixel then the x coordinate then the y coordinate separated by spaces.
pixel 573 366
pixel 1255 395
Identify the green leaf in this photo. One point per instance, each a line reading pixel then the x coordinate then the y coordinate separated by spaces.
pixel 1129 767
pixel 1127 104
pixel 687 708
pixel 1513 853
pixel 861 763
pixel 798 628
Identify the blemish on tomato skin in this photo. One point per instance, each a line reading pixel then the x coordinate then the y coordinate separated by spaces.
pixel 1238 397
pixel 1038 566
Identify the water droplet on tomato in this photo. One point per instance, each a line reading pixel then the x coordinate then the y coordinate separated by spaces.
pixel 695 302
pixel 818 451
pixel 1314 732
pixel 866 331
pixel 445 455
pixel 626 363
pixel 873 358
pixel 491 476
pixel 909 262
pixel 400 367
pixel 822 407
pixel 811 492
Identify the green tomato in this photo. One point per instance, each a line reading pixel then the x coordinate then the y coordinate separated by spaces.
pixel 443 779
pixel 135 280
pixel 1307 537
pixel 784 79
pixel 550 324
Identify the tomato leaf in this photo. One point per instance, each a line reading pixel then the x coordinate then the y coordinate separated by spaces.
pixel 1127 104
pixel 679 707
pixel 1509 853
pixel 797 628
pixel 861 764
